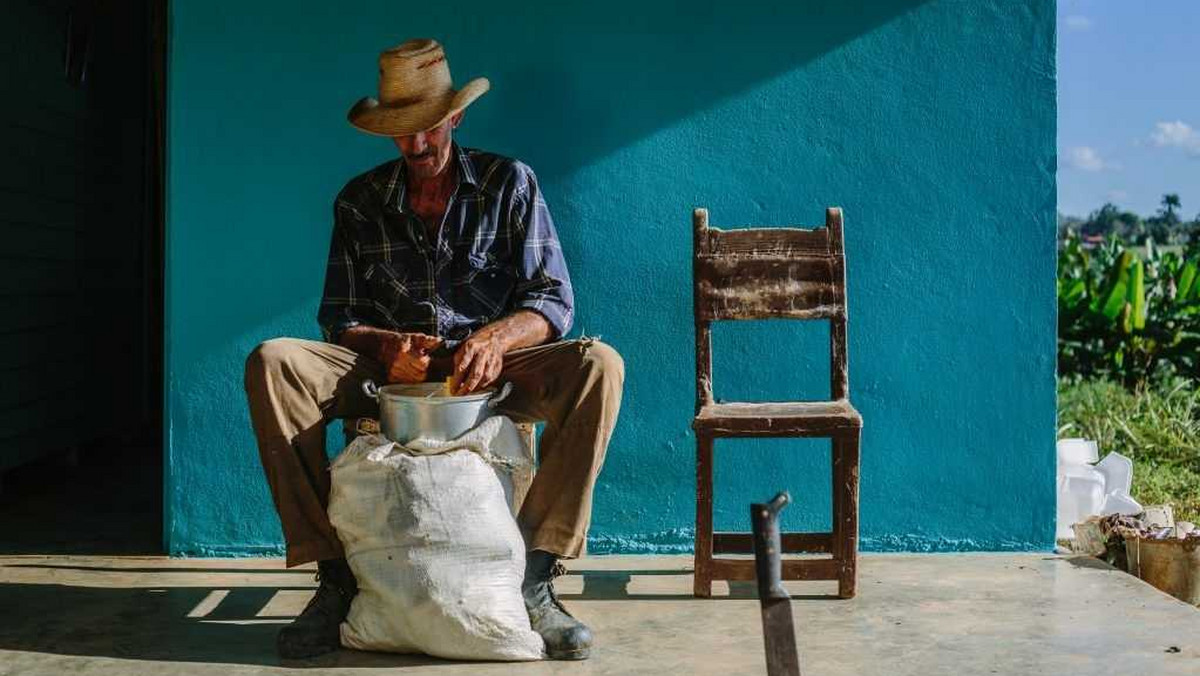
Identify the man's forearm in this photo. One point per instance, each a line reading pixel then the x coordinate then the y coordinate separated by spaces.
pixel 524 328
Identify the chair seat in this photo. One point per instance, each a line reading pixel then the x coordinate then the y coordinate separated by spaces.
pixel 777 418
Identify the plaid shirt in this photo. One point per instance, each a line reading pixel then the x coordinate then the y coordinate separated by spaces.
pixel 496 252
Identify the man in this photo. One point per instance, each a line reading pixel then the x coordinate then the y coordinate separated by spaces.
pixel 443 262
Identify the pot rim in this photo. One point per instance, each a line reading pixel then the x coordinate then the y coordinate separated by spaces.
pixel 394 392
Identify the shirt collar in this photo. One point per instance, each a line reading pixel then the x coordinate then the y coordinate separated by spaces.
pixel 398 186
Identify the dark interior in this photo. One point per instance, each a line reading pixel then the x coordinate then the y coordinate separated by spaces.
pixel 81 275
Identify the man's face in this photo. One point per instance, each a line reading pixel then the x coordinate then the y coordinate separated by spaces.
pixel 427 153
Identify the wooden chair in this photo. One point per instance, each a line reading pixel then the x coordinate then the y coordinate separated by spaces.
pixel 775 273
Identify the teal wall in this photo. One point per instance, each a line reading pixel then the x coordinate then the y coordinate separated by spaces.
pixel 931 122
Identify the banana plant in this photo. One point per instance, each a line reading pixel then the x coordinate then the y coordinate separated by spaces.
pixel 1125 317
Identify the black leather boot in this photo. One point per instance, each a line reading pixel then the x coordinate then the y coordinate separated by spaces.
pixel 566 637
pixel 316 630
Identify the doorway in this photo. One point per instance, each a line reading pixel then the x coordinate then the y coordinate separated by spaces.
pixel 81 272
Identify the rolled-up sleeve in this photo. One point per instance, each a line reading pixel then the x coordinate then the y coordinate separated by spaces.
pixel 343 301
pixel 543 284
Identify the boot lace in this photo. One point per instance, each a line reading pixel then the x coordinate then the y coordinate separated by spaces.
pixel 557 570
pixel 324 587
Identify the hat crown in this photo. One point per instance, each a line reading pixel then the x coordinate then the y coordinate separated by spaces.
pixel 413 71
pixel 415 92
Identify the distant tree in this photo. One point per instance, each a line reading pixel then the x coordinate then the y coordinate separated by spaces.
pixel 1157 229
pixel 1166 226
pixel 1111 219
pixel 1130 227
pixel 1102 221
pixel 1170 202
pixel 1193 237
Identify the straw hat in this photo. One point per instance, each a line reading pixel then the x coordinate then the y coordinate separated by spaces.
pixel 415 93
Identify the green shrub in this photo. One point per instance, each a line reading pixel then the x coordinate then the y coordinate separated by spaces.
pixel 1125 318
pixel 1158 427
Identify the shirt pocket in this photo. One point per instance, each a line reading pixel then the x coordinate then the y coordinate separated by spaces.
pixel 487 286
pixel 389 288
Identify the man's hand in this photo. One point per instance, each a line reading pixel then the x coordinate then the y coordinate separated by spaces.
pixel 406 356
pixel 480 359
pixel 477 362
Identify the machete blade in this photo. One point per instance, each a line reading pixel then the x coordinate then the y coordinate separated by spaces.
pixel 779 635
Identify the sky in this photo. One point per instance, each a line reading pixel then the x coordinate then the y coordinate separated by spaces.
pixel 1128 104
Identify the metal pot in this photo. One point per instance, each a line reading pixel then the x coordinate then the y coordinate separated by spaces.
pixel 407 412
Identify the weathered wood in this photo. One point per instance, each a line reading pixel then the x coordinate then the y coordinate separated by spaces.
pixel 719 311
pixel 704 395
pixel 833 225
pixel 839 370
pixel 766 242
pixel 839 503
pixel 793 543
pixel 762 287
pixel 797 418
pixel 718 271
pixel 846 468
pixel 775 273
pixel 768 272
pixel 793 569
pixel 703 575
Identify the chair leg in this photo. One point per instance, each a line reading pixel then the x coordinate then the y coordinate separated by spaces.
pixel 837 544
pixel 845 545
pixel 702 561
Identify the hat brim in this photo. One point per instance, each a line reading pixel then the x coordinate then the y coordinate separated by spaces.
pixel 373 117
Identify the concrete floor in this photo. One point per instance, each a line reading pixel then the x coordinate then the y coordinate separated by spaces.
pixel 915 614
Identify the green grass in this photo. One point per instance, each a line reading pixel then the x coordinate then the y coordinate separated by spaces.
pixel 1158 427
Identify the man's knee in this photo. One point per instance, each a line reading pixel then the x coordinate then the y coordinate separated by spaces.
pixel 604 360
pixel 267 359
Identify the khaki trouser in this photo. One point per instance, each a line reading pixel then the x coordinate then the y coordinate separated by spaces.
pixel 296 386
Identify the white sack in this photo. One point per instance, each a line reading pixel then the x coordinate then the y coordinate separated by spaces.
pixel 496 439
pixel 438 556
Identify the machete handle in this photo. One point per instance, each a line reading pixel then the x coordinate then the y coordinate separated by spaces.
pixel 768 564
pixel 777 503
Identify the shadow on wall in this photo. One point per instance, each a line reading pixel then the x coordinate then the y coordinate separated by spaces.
pixel 591 79
pixel 571 85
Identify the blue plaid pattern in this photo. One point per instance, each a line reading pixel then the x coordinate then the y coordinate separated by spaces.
pixel 496 252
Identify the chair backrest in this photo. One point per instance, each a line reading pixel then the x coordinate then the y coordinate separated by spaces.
pixel 766 273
